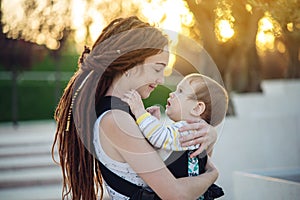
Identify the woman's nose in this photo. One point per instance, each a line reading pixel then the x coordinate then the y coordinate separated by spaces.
pixel 161 79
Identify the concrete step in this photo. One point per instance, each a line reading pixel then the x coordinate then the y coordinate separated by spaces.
pixel 281 87
pixel 38 192
pixel 42 192
pixel 255 143
pixel 27 171
pixel 258 104
pixel 279 97
pixel 14 163
pixel 25 150
pixel 267 184
pixel 30 177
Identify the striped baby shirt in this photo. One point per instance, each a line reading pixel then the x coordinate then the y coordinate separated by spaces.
pixel 161 135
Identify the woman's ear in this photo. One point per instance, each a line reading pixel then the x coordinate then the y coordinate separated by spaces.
pixel 135 70
pixel 198 109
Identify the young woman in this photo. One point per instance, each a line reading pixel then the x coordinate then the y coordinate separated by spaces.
pixel 96 132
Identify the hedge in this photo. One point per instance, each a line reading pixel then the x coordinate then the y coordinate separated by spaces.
pixel 37 99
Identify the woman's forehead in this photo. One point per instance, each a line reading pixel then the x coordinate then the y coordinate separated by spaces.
pixel 162 57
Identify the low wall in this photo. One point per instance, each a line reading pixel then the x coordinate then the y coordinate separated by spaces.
pixel 267 184
pixel 265 134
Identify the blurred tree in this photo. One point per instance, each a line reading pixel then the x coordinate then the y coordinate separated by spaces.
pixel 286 13
pixel 89 17
pixel 23 28
pixel 234 51
pixel 15 55
pixel 41 22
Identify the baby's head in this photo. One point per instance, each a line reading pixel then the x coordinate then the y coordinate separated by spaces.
pixel 198 97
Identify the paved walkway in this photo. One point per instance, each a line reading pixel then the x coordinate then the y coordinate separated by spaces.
pixel 27 170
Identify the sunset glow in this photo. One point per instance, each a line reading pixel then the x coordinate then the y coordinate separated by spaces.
pixel 172 21
pixel 157 12
pixel 44 26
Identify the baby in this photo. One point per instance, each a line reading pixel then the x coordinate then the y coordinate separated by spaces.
pixel 196 97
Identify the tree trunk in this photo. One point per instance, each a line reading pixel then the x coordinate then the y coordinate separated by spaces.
pixel 205 16
pixel 292 45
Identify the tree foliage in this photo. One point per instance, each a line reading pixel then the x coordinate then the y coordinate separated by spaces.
pixel 286 13
pixel 40 22
pixel 236 55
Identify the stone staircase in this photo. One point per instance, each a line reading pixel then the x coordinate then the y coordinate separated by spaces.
pixel 263 136
pixel 27 171
pixel 26 167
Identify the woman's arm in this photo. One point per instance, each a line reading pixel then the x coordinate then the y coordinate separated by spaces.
pixel 126 139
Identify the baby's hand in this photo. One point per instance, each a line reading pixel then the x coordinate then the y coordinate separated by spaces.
pixel 135 102
pixel 154 111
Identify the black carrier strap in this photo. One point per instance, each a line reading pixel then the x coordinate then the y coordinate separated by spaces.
pixel 117 183
pixel 176 163
pixel 114 181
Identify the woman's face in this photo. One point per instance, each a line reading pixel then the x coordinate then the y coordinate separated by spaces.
pixel 150 74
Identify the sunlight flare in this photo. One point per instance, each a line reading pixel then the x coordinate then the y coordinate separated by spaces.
pixel 224 21
pixel 44 23
pixel 268 29
pixel 225 30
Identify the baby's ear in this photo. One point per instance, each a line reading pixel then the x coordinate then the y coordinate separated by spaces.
pixel 198 109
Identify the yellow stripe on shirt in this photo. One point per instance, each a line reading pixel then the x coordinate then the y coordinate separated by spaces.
pixel 142 117
pixel 152 131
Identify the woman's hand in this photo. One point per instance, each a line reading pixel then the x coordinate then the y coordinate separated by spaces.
pixel 204 134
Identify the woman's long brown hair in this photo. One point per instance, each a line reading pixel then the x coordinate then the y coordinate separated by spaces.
pixel 80 169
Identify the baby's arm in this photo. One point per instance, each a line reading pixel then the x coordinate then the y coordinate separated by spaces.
pixel 158 134
pixel 161 135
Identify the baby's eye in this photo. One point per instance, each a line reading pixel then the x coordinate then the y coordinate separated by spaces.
pixel 180 90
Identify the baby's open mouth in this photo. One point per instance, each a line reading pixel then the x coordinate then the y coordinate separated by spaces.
pixel 168 103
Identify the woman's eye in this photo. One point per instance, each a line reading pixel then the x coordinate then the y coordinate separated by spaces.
pixel 158 70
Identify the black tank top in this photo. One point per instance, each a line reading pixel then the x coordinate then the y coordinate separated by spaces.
pixel 177 161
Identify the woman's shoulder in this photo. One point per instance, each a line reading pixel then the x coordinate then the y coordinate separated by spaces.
pixel 115 117
pixel 118 122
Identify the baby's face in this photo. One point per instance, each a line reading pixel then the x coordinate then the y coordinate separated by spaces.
pixel 180 104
